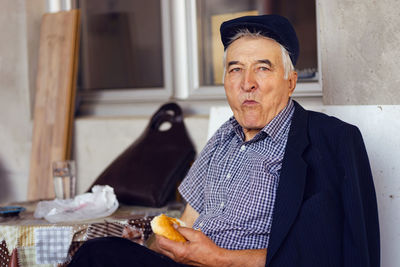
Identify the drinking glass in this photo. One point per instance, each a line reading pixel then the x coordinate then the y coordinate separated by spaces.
pixel 64 178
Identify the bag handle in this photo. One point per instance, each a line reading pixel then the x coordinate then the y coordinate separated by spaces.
pixel 169 112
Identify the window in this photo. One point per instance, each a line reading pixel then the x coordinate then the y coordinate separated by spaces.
pixel 121 45
pixel 153 51
pixel 209 16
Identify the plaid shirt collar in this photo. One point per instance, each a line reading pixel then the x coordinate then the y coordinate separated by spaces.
pixel 272 129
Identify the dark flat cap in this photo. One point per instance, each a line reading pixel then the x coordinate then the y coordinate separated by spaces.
pixel 272 26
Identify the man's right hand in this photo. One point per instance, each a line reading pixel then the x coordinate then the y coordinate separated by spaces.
pixel 199 250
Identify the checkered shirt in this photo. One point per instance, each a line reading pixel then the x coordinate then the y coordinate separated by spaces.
pixel 232 185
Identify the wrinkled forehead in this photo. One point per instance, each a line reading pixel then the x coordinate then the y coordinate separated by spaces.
pixel 257 48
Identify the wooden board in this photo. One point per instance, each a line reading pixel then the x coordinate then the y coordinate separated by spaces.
pixel 217 47
pixel 55 98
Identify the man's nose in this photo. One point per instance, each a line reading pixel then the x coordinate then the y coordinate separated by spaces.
pixel 248 82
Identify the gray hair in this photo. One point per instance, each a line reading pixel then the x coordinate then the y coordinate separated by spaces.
pixel 286 61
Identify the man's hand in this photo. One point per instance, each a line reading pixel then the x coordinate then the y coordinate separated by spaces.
pixel 200 250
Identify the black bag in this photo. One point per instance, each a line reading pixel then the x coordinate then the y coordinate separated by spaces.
pixel 148 171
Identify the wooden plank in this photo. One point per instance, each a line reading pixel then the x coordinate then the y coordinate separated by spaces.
pixel 55 98
pixel 217 47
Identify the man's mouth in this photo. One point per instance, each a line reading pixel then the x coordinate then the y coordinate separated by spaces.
pixel 249 102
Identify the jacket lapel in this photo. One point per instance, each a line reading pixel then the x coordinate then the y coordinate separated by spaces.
pixel 290 190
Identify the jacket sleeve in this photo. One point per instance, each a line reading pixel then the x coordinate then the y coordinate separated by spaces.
pixel 361 241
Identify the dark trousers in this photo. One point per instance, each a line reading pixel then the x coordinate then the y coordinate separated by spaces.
pixel 116 251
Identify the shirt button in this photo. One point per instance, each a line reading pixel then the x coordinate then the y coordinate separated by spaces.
pixel 222 204
pixel 228 175
pixel 242 148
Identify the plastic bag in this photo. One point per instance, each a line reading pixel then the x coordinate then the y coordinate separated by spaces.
pixel 102 202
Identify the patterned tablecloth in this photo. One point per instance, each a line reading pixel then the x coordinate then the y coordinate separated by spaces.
pixel 26 241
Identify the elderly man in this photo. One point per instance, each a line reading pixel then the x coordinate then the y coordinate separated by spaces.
pixel 276 185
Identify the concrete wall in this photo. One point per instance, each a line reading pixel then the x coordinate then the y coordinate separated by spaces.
pixel 360 55
pixel 15 123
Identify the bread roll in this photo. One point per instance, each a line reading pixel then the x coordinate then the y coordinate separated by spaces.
pixel 163 225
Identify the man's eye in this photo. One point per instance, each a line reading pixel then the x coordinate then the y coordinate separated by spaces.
pixel 263 68
pixel 234 70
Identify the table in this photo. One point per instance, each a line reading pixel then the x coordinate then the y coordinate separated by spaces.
pixel 26 241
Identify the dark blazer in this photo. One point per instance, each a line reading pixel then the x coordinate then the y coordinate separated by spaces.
pixel 325 210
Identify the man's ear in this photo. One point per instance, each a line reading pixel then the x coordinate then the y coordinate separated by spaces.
pixel 292 80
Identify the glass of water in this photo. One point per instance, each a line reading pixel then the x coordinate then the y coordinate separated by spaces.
pixel 64 178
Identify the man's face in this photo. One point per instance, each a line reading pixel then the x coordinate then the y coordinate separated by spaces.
pixel 254 82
